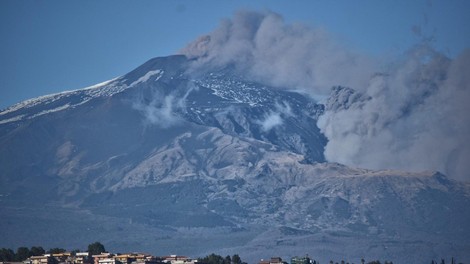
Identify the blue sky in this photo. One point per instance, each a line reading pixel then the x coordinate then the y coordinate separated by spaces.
pixel 52 46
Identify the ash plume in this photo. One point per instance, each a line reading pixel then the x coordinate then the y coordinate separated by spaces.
pixel 415 117
pixel 264 48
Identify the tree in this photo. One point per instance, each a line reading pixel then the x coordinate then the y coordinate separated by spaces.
pixel 236 259
pixel 22 253
pixel 96 248
pixel 37 251
pixel 56 250
pixel 6 254
pixel 228 260
pixel 213 259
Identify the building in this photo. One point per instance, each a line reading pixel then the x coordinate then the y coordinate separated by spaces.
pixel 175 259
pixel 109 261
pixel 63 258
pixel 83 258
pixel 102 256
pixel 134 258
pixel 125 258
pixel 273 260
pixel 137 258
pixel 147 259
pixel 45 259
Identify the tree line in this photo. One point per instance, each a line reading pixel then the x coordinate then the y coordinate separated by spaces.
pixel 217 259
pixel 363 262
pixel 452 261
pixel 390 262
pixel 23 253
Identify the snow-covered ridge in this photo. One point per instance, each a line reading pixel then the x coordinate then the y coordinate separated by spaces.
pixel 45 99
pixel 50 105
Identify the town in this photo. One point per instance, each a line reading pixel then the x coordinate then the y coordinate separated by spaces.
pixel 142 258
pixel 97 254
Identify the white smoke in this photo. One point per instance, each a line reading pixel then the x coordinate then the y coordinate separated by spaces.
pixel 272 120
pixel 162 110
pixel 275 118
pixel 411 113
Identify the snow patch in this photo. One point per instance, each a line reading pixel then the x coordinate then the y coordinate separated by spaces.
pixel 60 108
pixel 147 76
pixel 13 119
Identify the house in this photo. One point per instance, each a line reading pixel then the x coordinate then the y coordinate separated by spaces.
pixel 106 257
pixel 175 259
pixel 135 258
pixel 141 258
pixel 45 259
pixel 273 260
pixel 63 258
pixel 83 258
pixel 138 258
pixel 125 258
pixel 109 261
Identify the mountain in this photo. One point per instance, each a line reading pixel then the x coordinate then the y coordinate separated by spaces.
pixel 167 160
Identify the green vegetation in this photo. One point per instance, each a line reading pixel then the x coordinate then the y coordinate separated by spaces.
pixel 217 259
pixel 96 248
pixel 363 262
pixel 452 261
pixel 21 254
pixel 56 250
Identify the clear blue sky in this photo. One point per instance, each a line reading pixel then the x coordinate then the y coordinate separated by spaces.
pixel 56 45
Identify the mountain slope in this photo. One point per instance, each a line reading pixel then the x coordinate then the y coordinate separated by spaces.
pixel 172 157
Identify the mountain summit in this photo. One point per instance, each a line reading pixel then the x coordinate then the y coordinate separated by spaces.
pixel 163 159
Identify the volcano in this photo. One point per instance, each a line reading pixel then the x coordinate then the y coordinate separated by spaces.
pixel 165 160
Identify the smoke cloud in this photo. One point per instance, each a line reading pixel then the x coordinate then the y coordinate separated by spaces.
pixel 415 117
pixel 263 47
pixel 411 113
pixel 162 110
pixel 275 118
